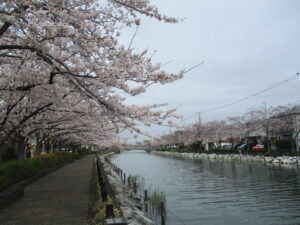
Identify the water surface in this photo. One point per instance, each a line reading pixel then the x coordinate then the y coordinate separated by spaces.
pixel 203 192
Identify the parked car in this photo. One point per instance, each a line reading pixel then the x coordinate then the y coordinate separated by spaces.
pixel 242 146
pixel 237 145
pixel 258 147
pixel 245 146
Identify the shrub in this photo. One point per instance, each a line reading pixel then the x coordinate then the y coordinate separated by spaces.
pixel 76 156
pixel 83 151
pixel 16 171
pixel 5 182
pixel 48 160
pixel 65 157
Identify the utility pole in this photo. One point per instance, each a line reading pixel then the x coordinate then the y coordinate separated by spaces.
pixel 198 126
pixel 297 133
pixel 199 117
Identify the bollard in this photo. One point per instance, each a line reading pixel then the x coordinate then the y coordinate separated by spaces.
pixel 124 178
pixel 109 211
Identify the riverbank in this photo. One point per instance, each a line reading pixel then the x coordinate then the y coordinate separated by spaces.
pixel 216 192
pixel 128 202
pixel 291 160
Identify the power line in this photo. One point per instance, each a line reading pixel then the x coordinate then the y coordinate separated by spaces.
pixel 295 102
pixel 254 94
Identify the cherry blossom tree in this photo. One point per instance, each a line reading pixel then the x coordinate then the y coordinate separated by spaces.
pixel 217 130
pixel 267 121
pixel 61 54
pixel 244 125
pixel 287 123
pixel 263 117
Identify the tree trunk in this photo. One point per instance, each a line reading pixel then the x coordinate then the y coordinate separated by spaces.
pixel 268 141
pixel 247 142
pixel 38 148
pixel 20 147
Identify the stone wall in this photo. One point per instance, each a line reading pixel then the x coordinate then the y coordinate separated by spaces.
pixel 274 160
pixel 128 201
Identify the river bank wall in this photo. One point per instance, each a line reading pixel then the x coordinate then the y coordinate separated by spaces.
pixel 265 159
pixel 128 201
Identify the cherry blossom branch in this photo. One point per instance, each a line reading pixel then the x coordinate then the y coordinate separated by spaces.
pixel 13 130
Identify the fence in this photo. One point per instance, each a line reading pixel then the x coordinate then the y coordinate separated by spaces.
pixel 107 190
pixel 157 209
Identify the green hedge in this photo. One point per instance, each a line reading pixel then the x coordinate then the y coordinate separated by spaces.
pixel 16 171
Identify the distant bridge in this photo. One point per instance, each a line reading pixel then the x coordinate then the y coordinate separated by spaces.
pixel 134 147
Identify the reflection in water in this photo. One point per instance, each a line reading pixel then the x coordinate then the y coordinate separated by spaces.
pixel 219 192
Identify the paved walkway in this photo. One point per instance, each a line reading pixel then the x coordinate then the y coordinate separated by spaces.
pixel 60 198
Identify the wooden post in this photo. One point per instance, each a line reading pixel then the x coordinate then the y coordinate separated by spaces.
pixel 146 195
pixel 134 187
pixel 104 196
pixel 124 178
pixel 109 211
pixel 162 211
pixel 146 200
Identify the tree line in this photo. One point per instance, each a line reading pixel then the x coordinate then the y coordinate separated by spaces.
pixel 267 122
pixel 64 75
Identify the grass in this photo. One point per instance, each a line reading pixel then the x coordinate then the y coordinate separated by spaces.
pixel 156 198
pixel 136 182
pixel 13 172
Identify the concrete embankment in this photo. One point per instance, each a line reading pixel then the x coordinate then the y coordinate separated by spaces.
pixel 267 159
pixel 128 201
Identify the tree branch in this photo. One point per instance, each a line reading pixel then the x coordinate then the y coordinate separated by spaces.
pixel 35 112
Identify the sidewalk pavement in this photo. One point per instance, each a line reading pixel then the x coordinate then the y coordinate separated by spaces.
pixel 60 198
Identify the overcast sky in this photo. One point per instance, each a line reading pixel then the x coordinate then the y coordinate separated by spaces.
pixel 247 46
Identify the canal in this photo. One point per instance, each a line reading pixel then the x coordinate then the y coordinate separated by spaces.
pixel 213 192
